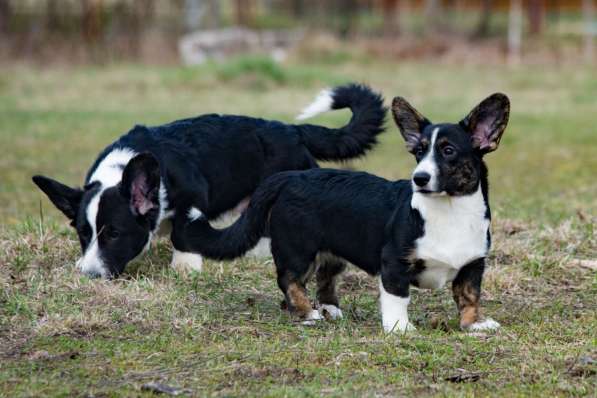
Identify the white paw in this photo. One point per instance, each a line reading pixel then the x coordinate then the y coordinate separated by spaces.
pixel 312 318
pixel 184 262
pixel 486 324
pixel 333 311
pixel 399 327
pixel 194 213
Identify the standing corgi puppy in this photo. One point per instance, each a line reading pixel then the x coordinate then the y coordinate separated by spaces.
pixel 427 231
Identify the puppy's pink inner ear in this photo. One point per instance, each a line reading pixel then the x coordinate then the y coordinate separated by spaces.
pixel 482 137
pixel 140 201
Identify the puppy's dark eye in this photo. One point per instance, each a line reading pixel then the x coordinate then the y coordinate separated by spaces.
pixel 419 152
pixel 112 233
pixel 448 151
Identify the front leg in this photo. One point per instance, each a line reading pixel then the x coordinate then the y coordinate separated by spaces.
pixel 184 260
pixel 466 289
pixel 394 292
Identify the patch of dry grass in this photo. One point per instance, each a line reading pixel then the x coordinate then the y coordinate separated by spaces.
pixel 222 332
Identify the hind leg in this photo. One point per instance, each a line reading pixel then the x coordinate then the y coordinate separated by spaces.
pixel 295 241
pixel 298 301
pixel 294 268
pixel 329 269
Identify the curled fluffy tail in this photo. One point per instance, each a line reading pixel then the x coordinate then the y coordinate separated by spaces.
pixel 195 234
pixel 355 138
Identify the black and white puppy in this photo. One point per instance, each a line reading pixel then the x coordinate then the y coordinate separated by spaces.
pixel 213 162
pixel 426 231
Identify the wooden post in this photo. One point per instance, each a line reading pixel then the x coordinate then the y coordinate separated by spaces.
pixel 588 11
pixel 92 21
pixel 214 13
pixel 432 14
pixel 5 14
pixel 483 26
pixel 193 13
pixel 391 17
pixel 514 31
pixel 535 12
pixel 244 12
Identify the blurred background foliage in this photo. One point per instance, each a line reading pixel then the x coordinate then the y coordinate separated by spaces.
pixel 75 74
pixel 148 31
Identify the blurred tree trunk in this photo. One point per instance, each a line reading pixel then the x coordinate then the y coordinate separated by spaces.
pixel 348 11
pixel 193 11
pixel 214 14
pixel 391 17
pixel 588 9
pixel 514 31
pixel 483 26
pixel 140 14
pixel 5 14
pixel 535 14
pixel 202 14
pixel 52 16
pixel 298 8
pixel 432 15
pixel 244 12
pixel 91 26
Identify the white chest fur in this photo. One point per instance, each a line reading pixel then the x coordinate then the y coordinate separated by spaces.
pixel 455 234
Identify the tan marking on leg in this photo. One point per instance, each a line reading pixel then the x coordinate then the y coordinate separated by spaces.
pixel 467 301
pixel 299 300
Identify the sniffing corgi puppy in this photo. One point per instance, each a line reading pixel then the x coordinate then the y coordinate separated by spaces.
pixel 213 162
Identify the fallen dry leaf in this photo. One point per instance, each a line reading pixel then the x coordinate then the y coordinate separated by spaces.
pixel 464 377
pixel 160 388
pixel 589 264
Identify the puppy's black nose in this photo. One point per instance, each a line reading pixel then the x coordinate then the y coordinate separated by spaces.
pixel 421 178
pixel 93 275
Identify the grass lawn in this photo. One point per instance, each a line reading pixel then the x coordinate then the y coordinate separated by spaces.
pixel 222 332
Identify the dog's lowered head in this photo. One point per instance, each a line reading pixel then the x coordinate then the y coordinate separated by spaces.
pixel 116 212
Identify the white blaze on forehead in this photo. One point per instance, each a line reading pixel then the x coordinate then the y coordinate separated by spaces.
pixel 108 173
pixel 428 165
pixel 91 262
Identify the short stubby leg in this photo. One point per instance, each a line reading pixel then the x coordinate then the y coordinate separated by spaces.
pixel 186 261
pixel 466 290
pixel 299 303
pixel 394 311
pixel 394 295
pixel 327 272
